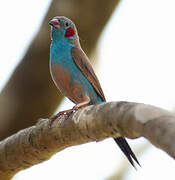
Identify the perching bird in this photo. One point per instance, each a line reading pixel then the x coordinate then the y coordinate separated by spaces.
pixel 73 74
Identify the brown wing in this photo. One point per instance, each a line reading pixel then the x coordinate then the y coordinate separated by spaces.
pixel 82 61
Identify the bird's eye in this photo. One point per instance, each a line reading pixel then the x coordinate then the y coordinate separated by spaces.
pixel 66 24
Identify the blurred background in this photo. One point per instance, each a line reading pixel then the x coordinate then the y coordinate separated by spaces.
pixel 131 46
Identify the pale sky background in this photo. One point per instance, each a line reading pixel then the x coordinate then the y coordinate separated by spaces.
pixel 136 63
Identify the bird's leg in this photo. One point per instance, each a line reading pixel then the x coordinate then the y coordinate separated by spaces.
pixel 54 117
pixel 70 111
pixel 82 104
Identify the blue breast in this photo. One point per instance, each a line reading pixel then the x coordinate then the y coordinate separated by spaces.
pixel 60 54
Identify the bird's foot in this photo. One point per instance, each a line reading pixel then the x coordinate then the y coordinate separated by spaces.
pixel 66 112
pixel 82 104
pixel 75 108
pixel 54 117
pixel 79 106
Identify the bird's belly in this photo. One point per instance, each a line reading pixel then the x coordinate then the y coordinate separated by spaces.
pixel 63 81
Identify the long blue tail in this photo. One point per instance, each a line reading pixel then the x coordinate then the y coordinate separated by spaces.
pixel 124 146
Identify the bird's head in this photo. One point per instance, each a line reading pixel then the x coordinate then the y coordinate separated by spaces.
pixel 62 28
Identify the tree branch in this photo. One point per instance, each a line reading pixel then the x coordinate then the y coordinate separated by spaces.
pixel 93 123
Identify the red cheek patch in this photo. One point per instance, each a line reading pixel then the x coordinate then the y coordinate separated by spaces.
pixel 69 32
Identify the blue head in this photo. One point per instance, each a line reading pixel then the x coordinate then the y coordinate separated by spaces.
pixel 63 28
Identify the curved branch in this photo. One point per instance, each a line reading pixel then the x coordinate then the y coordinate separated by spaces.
pixel 93 123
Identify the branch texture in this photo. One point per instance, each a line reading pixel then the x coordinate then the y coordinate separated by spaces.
pixel 93 123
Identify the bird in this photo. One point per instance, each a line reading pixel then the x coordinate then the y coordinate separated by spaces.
pixel 73 74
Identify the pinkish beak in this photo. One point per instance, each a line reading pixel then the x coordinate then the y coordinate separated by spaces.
pixel 54 23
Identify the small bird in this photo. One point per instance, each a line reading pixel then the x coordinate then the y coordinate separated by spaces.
pixel 73 74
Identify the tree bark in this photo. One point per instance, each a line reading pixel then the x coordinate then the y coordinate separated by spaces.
pixel 93 123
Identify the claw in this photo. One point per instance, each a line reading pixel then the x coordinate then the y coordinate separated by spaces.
pixel 75 108
pixel 69 111
pixel 54 117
